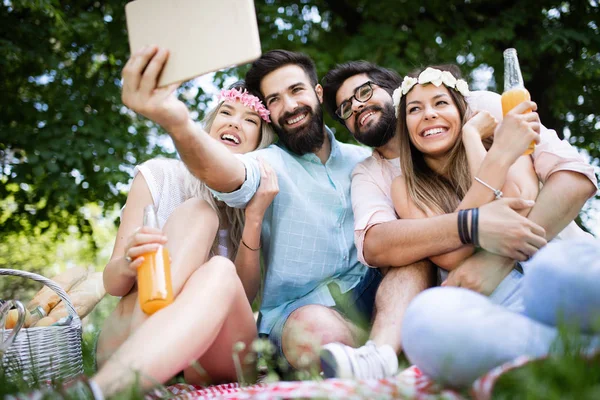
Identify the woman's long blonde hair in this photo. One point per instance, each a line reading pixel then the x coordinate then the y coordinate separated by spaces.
pixel 430 190
pixel 196 188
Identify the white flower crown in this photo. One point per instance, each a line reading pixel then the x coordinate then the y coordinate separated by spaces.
pixel 430 75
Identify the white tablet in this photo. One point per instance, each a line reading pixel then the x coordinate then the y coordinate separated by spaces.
pixel 201 35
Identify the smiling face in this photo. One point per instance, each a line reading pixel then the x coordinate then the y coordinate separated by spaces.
pixel 432 119
pixel 295 106
pixel 237 127
pixel 373 122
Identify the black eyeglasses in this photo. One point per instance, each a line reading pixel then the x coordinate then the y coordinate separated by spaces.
pixel 362 94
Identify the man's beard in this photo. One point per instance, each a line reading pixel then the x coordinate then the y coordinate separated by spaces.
pixel 380 133
pixel 305 139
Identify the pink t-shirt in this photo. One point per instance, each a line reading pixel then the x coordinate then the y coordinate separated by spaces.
pixel 372 178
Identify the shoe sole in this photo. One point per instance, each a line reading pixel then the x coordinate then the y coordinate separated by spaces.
pixel 329 365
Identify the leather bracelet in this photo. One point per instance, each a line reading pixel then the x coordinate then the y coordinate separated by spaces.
pixel 475 226
pixel 465 222
pixel 250 248
pixel 463 227
pixel 461 234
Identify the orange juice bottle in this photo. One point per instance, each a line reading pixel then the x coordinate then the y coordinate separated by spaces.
pixel 155 289
pixel 514 89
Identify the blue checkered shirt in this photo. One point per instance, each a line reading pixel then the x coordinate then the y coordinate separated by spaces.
pixel 308 230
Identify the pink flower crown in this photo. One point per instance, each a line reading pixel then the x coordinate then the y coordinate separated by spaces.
pixel 247 99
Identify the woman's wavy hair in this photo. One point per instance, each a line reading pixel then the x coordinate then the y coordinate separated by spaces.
pixel 429 190
pixel 196 188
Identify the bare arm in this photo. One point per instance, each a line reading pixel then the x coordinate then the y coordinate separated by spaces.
pixel 560 201
pixel 206 158
pixel 510 140
pixel 501 231
pixel 247 261
pixel 119 275
pixel 405 241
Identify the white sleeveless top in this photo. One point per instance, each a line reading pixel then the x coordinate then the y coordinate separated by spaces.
pixel 165 178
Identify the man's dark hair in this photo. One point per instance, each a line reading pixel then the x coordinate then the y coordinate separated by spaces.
pixel 275 59
pixel 382 77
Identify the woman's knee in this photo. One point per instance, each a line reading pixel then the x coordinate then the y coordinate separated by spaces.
pixel 435 315
pixel 561 283
pixel 219 272
pixel 447 331
pixel 422 314
pixel 196 210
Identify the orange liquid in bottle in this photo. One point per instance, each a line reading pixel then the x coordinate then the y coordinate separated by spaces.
pixel 514 89
pixel 510 100
pixel 155 289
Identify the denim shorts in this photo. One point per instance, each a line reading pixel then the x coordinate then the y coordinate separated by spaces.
pixel 356 305
pixel 509 293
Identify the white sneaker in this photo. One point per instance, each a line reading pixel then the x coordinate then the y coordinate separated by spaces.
pixel 366 362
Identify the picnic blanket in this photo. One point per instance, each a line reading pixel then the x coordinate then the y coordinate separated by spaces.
pixel 411 383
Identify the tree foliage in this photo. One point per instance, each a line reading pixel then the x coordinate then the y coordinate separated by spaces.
pixel 67 141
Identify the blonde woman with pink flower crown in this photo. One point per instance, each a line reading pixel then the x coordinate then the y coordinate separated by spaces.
pixel 215 264
pixel 453 334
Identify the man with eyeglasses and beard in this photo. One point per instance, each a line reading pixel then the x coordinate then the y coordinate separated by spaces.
pixel 359 95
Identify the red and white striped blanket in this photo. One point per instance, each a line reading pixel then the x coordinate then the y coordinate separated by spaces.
pixel 408 384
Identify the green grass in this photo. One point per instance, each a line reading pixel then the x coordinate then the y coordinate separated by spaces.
pixel 562 375
pixel 557 377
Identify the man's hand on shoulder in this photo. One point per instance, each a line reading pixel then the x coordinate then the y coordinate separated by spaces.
pixel 141 94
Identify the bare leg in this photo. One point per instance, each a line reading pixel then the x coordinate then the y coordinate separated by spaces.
pixel 191 231
pixel 211 302
pixel 398 287
pixel 116 328
pixel 189 245
pixel 310 327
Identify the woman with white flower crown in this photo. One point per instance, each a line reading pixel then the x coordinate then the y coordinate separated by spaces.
pixel 453 334
pixel 446 166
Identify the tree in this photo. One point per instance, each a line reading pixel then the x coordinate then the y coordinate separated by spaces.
pixel 558 44
pixel 67 141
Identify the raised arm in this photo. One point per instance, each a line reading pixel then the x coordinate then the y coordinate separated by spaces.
pixel 513 135
pixel 206 158
pixel 247 261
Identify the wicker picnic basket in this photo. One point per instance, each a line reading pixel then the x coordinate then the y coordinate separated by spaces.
pixel 48 353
